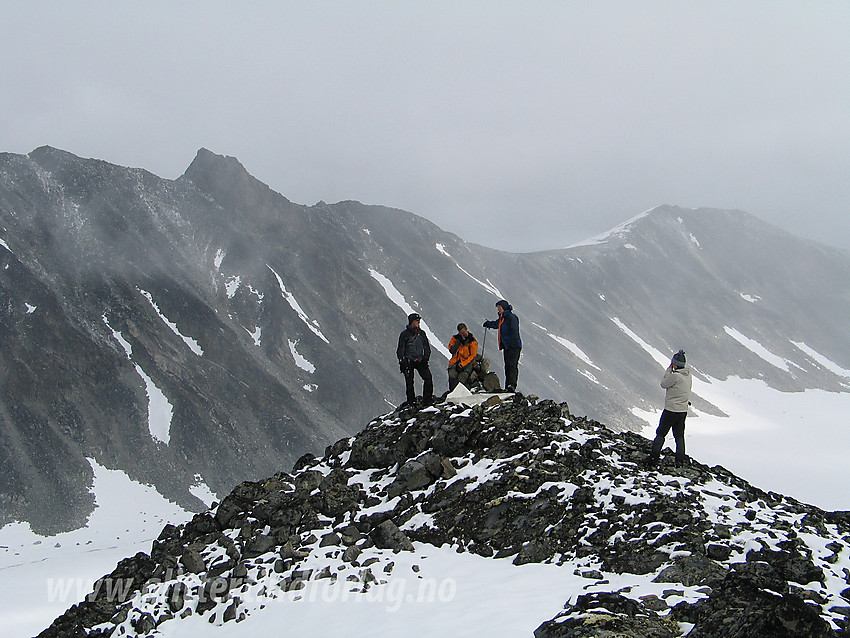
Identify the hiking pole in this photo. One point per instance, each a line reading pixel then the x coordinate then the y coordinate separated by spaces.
pixel 484 343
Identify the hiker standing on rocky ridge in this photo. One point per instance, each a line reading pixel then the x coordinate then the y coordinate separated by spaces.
pixel 413 353
pixel 509 341
pixel 677 381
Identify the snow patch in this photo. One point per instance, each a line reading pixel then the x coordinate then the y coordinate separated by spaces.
pixel 256 335
pixel 621 230
pixel 200 490
pixel 120 339
pixel 300 361
pixel 231 285
pixel 399 300
pixel 30 309
pixel 293 303
pixel 488 285
pixel 569 345
pixel 462 396
pixel 822 360
pixel 750 298
pixel 653 352
pixel 755 347
pixel 435 590
pixel 189 341
pixel 219 257
pixel 160 410
pixel 589 376
pixel 694 240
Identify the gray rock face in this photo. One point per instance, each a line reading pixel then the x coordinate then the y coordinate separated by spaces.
pixel 266 328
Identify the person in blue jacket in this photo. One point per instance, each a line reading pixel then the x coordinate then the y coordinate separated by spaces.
pixel 510 342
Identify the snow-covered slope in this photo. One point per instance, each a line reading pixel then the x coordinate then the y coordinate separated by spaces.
pixel 793 443
pixel 41 576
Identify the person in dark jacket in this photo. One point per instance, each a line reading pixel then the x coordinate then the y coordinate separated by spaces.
pixel 413 353
pixel 510 342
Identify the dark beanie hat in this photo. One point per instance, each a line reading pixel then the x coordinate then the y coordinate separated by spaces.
pixel 413 317
pixel 504 304
pixel 679 359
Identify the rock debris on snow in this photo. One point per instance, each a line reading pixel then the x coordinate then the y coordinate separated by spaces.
pixel 704 551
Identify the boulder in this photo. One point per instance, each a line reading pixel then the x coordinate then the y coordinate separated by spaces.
pixel 387 535
pixel 741 608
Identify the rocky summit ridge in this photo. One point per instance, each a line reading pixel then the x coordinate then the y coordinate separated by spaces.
pixel 515 479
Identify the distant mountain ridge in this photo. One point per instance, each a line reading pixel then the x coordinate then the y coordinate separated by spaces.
pixel 261 329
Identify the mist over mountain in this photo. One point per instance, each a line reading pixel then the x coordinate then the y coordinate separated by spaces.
pixel 206 330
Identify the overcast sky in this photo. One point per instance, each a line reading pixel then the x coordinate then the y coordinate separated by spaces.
pixel 518 125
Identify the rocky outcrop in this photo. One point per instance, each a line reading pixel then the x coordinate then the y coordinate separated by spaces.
pixel 701 549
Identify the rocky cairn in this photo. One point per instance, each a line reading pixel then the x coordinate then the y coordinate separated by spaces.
pixel 520 480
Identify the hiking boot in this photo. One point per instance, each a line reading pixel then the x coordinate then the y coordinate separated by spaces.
pixel 650 462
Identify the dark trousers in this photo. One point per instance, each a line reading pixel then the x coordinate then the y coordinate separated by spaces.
pixel 676 422
pixel 425 373
pixel 465 376
pixel 511 367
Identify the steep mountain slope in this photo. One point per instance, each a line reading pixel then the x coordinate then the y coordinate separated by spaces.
pixel 208 329
pixel 676 278
pixel 110 287
pixel 652 552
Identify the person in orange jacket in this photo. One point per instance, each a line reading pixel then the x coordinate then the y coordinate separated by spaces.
pixel 463 348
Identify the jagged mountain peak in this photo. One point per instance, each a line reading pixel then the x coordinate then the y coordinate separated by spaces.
pixel 649 551
pixel 207 160
pixel 227 180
